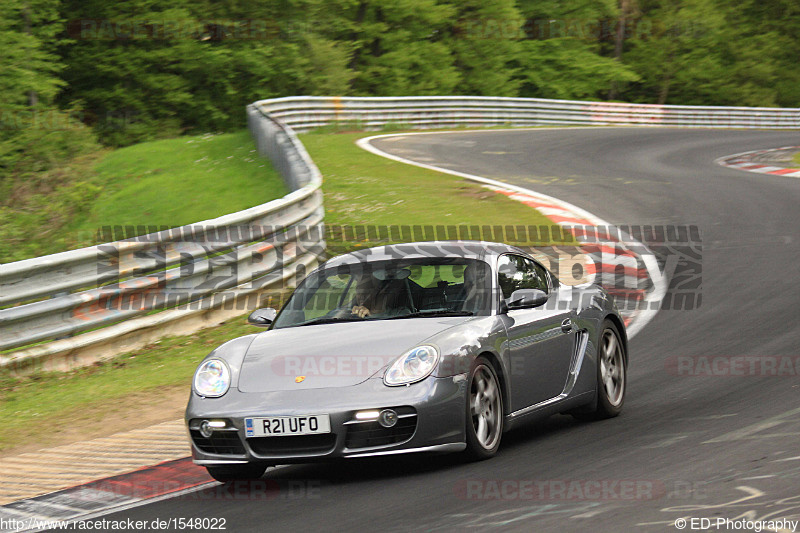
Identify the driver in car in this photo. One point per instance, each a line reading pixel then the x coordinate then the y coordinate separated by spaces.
pixel 374 296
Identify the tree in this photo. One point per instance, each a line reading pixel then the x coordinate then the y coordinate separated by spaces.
pixel 398 48
pixel 563 55
pixel 486 44
pixel 34 135
pixel 30 65
pixel 710 52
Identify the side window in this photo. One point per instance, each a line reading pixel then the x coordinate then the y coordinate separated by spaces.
pixel 516 272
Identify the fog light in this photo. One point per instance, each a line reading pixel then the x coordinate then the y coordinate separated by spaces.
pixel 387 418
pixel 205 429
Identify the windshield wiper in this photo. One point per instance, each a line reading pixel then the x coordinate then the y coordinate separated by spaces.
pixel 327 320
pixel 434 312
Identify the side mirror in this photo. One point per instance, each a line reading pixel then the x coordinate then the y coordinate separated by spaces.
pixel 262 317
pixel 527 298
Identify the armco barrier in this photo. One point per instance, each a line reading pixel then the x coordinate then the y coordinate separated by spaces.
pixel 94 302
pixel 303 113
pixel 116 287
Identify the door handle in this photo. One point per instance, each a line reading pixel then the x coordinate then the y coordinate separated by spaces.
pixel 566 325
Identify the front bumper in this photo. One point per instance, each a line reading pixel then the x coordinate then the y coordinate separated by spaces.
pixel 432 417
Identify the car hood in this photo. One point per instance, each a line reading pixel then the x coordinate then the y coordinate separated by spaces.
pixel 332 355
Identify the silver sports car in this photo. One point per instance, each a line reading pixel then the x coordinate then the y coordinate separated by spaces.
pixel 438 346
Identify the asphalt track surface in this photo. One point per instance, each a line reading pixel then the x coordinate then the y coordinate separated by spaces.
pixel 687 446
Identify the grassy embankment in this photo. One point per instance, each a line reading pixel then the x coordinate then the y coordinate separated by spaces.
pixel 184 180
pixel 166 183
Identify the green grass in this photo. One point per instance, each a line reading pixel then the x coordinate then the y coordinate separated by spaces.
pixel 796 159
pixel 359 188
pixel 363 188
pixel 175 182
pixel 170 182
pixel 34 407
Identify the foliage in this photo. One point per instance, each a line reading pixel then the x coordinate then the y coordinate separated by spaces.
pixel 716 52
pixel 567 68
pixel 145 69
pixel 35 136
pixel 365 189
pixel 148 69
pixel 159 183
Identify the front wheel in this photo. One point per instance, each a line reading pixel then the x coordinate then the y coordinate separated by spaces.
pixel 484 411
pixel 226 473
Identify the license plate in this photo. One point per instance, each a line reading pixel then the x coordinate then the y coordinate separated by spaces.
pixel 281 426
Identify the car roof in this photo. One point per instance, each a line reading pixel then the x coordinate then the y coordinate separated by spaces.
pixel 481 250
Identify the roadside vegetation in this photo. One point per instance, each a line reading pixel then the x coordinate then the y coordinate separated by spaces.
pixel 101 398
pixel 145 69
pixel 77 74
pixel 364 189
pixel 169 182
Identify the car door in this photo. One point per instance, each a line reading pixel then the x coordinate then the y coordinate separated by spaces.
pixel 540 340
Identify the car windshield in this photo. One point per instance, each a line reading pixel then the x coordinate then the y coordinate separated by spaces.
pixel 393 289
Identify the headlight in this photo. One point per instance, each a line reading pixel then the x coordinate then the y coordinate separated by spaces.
pixel 414 365
pixel 212 379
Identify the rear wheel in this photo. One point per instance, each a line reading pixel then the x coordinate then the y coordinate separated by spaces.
pixel 611 375
pixel 484 411
pixel 225 473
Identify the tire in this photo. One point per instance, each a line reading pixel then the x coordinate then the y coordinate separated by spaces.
pixel 484 420
pixel 612 375
pixel 227 473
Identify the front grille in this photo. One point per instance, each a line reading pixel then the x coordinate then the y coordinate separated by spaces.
pixel 370 434
pixel 220 442
pixel 293 445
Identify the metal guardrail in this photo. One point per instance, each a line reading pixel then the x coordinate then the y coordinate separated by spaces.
pixel 171 274
pixel 303 113
pixel 118 286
